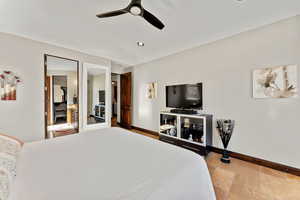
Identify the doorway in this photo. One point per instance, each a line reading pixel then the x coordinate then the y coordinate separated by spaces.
pixel 115 99
pixel 61 96
pixel 126 100
pixel 59 93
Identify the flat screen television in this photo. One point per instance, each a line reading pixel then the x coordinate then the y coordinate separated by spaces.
pixel 102 96
pixel 188 96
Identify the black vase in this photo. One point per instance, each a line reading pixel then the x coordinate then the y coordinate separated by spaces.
pixel 225 128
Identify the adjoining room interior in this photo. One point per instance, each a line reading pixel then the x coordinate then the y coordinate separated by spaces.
pixel 96 102
pixel 115 99
pixel 61 96
pixel 96 96
pixel 59 91
pixel 149 100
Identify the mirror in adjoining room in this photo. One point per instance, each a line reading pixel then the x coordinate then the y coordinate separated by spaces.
pixel 61 92
pixel 96 94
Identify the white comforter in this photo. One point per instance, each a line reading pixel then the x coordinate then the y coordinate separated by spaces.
pixel 110 164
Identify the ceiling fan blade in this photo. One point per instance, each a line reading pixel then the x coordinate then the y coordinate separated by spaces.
pixel 152 20
pixel 139 2
pixel 113 13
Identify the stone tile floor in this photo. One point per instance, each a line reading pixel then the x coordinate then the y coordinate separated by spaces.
pixel 242 180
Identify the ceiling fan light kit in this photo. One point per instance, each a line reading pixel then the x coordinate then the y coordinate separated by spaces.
pixel 136 9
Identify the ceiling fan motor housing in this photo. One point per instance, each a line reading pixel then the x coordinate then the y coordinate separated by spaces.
pixel 135 10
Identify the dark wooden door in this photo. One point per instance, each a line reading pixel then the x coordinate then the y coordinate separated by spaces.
pixel 48 102
pixel 126 106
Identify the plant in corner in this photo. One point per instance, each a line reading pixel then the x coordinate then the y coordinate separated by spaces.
pixel 225 128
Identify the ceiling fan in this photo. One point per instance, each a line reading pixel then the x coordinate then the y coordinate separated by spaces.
pixel 136 9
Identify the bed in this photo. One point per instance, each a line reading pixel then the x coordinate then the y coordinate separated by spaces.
pixel 110 164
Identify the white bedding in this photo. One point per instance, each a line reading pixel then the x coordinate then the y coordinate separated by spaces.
pixel 110 164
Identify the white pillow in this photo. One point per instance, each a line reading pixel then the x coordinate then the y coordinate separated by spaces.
pixel 9 150
pixel 10 145
pixel 5 184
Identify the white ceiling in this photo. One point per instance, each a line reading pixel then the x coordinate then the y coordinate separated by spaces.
pixel 189 23
pixel 95 71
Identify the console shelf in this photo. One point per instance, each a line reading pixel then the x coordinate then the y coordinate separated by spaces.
pixel 192 132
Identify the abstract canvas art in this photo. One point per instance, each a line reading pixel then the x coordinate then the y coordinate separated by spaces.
pixel 8 86
pixel 152 90
pixel 275 82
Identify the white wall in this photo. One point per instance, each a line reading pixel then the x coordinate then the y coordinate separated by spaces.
pixel 24 118
pixel 265 128
pixel 117 68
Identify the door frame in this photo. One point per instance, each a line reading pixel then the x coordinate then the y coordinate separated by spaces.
pixel 45 90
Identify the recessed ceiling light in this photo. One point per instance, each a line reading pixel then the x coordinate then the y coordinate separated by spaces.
pixel 140 44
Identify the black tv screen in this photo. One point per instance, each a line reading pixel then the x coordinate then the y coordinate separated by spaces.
pixel 102 96
pixel 184 96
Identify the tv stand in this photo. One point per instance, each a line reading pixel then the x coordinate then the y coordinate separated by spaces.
pixel 193 132
pixel 184 111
